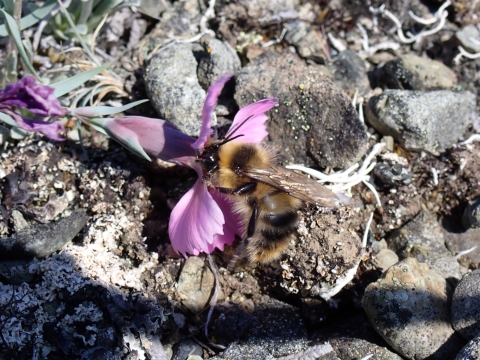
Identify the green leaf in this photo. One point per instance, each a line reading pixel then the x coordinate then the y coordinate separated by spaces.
pixel 14 32
pixel 65 86
pixel 34 17
pixel 7 119
pixel 110 110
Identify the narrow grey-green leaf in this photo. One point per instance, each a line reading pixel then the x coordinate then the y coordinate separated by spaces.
pixel 7 119
pixel 110 110
pixel 14 32
pixel 34 17
pixel 65 86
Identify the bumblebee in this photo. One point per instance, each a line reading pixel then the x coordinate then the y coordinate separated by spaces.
pixel 266 195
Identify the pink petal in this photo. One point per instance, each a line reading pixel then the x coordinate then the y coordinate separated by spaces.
pixel 254 130
pixel 194 221
pixel 233 221
pixel 157 137
pixel 208 108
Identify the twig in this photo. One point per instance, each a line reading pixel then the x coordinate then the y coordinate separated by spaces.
pixel 209 14
pixel 213 301
pixel 434 176
pixel 367 228
pixel 344 180
pixel 465 53
pixel 474 137
pixel 337 44
pixel 277 40
pixel 465 252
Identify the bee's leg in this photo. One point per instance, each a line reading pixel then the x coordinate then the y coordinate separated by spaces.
pixel 243 245
pixel 245 189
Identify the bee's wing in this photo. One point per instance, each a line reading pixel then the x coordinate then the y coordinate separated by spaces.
pixel 294 184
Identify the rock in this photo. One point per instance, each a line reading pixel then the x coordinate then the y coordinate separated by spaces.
pixel 195 284
pixel 385 258
pixel 315 122
pixel 42 240
pixel 408 307
pixel 19 222
pixel 307 41
pixel 273 330
pixel 263 11
pixel 466 306
pixel 218 59
pixel 187 348
pixel 469 37
pixel 471 215
pixel 392 174
pixel 423 239
pixel 325 251
pixel 349 71
pixel 412 72
pixel 352 337
pixel 464 241
pixel 471 351
pixel 422 120
pixel 172 86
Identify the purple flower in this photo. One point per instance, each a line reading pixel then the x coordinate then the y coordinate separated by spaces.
pixel 38 100
pixel 203 219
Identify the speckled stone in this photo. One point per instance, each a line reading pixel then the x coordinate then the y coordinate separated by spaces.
pixel 195 284
pixel 466 306
pixel 408 307
pixel 471 351
pixel 315 122
pixel 173 88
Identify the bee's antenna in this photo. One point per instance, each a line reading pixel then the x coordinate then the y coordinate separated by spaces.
pixel 224 141
pixel 229 138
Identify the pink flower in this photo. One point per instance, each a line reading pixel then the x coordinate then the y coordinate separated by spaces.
pixel 203 219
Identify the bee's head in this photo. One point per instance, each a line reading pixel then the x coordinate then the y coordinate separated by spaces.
pixel 209 158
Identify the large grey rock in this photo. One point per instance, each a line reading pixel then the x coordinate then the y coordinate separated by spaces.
pixel 315 122
pixel 466 306
pixel 408 307
pixel 173 88
pixel 431 121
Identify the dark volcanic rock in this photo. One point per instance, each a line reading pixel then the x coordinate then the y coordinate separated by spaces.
pixel 274 329
pixel 315 122
pixel 42 240
pixel 350 72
